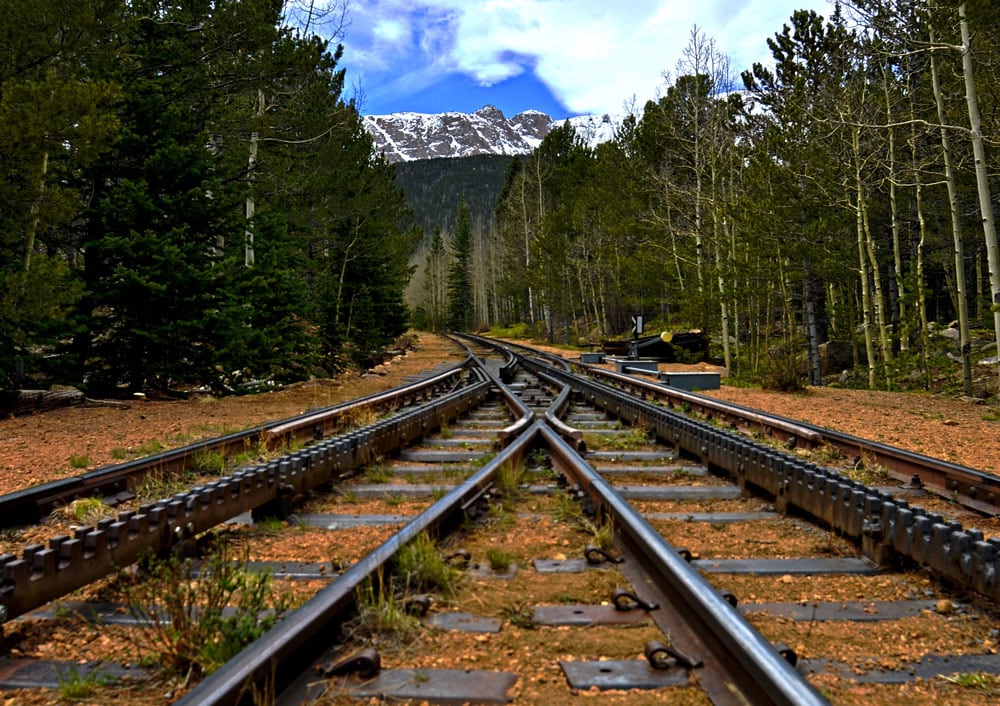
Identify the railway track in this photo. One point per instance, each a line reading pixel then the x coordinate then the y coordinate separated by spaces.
pixel 595 542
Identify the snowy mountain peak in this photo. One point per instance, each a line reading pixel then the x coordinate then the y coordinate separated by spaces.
pixel 490 112
pixel 404 137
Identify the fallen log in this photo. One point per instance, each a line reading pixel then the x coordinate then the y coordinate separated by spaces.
pixel 18 402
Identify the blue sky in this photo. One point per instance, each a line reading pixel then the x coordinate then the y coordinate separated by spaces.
pixel 563 57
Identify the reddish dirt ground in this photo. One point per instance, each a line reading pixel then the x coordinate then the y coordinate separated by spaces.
pixel 42 447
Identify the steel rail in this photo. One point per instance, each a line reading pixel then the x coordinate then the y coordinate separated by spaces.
pixel 884 526
pixel 744 667
pixel 888 529
pixel 796 433
pixel 975 489
pixel 748 665
pixel 31 505
pixel 325 420
pixel 42 574
pixel 740 666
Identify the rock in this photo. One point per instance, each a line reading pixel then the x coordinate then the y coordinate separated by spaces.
pixel 944 607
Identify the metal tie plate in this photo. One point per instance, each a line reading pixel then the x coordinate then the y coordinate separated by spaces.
pixel 780 567
pixel 622 675
pixel 927 668
pixel 857 611
pixel 437 686
pixel 584 615
pixel 464 622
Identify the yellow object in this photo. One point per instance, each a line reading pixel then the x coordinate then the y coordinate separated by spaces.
pixel 666 336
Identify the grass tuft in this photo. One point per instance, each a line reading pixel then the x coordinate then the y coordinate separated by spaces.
pixel 194 626
pixel 422 568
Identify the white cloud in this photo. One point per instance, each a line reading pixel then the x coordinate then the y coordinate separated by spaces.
pixel 593 54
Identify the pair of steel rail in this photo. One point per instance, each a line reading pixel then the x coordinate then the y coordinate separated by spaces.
pixel 43 573
pixel 888 528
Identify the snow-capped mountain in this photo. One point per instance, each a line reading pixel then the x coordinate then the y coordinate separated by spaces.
pixel 404 137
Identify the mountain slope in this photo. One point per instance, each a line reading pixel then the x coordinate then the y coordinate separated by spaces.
pixel 434 186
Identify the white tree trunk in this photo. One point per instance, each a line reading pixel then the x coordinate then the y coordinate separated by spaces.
pixel 982 177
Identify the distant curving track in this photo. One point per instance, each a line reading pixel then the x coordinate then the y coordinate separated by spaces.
pixel 972 488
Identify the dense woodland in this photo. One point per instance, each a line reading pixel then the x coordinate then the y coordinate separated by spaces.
pixel 186 198
pixel 845 195
pixel 434 186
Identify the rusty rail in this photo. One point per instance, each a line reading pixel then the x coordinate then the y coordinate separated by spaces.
pixel 301 638
pixel 44 573
pixel 31 505
pixel 743 667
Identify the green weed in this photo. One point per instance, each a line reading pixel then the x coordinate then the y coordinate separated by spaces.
pixel 381 614
pixel 868 473
pixel 158 484
pixel 499 559
pixel 423 569
pixel 378 473
pixel 567 509
pixel 208 462
pixel 603 532
pixel 348 497
pixel 507 482
pixel 968 680
pixel 520 615
pixel 269 526
pixel 195 626
pixel 76 686
pixel 86 510
pixel 148 448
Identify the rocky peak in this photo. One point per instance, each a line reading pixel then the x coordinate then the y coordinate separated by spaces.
pixel 404 137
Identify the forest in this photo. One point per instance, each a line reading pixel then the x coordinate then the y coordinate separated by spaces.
pixel 843 196
pixel 187 198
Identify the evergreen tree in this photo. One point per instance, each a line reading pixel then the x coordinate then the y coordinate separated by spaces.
pixel 160 211
pixel 812 62
pixel 55 118
pixel 460 303
pixel 435 294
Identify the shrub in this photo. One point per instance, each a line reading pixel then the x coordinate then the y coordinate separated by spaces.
pixel 197 625
pixel 784 371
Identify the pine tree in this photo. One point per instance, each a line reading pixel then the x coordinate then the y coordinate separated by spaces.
pixel 55 118
pixel 460 302
pixel 160 211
